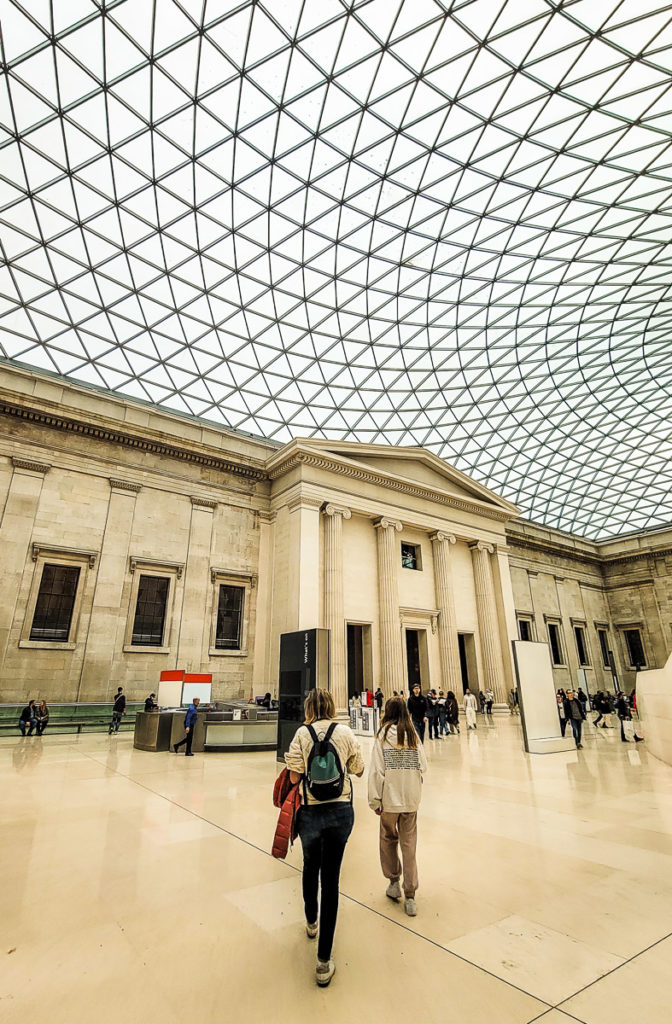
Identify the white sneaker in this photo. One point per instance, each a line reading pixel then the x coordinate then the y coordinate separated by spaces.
pixel 324 971
pixel 410 907
pixel 311 930
pixel 393 890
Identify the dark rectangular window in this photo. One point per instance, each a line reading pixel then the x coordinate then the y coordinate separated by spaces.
pixel 410 556
pixel 581 649
pixel 633 642
pixel 55 603
pixel 229 618
pixel 604 647
pixel 525 629
pixel 150 611
pixel 556 648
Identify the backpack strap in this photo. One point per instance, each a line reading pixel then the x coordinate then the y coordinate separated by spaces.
pixel 330 731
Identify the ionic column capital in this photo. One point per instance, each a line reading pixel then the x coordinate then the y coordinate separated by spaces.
pixel 336 510
pixel 442 537
pixel 387 524
pixel 482 545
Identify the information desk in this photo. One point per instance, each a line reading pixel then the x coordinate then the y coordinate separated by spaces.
pixel 230 727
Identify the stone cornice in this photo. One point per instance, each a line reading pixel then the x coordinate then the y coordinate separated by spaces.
pixel 132 439
pixel 551 548
pixel 334 465
pixel 207 504
pixel 235 575
pixel 33 467
pixel 124 485
pixel 56 551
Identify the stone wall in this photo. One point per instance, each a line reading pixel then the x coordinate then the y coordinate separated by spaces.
pixel 83 483
pixel 615 585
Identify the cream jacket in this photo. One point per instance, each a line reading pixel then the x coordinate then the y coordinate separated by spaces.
pixel 345 742
pixel 395 775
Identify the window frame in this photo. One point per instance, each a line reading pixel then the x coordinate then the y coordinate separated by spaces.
pixel 634 627
pixel 246 581
pixel 70 558
pixel 139 567
pixel 579 624
pixel 601 627
pixel 528 619
pixel 417 549
pixel 557 624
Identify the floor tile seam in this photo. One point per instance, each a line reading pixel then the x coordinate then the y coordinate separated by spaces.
pixel 345 895
pixel 607 974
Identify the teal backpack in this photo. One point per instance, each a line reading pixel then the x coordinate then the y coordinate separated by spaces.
pixel 324 776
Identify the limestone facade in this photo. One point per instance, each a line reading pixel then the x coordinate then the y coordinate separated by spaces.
pixel 418 571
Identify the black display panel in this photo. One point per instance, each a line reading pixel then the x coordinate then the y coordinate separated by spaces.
pixel 304 664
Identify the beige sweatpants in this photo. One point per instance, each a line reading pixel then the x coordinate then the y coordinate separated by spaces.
pixel 399 830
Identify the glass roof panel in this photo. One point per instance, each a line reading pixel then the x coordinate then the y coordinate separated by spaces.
pixel 401 222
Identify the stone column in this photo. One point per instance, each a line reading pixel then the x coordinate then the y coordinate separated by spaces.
pixel 261 671
pixel 334 614
pixel 107 622
pixel 389 556
pixel 486 606
pixel 445 602
pixel 15 534
pixel 194 630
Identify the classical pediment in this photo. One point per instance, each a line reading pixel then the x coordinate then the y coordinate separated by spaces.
pixel 410 470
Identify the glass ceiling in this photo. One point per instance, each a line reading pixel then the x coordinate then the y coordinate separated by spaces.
pixel 410 223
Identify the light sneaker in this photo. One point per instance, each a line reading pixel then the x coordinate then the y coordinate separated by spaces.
pixel 311 930
pixel 324 971
pixel 410 907
pixel 393 890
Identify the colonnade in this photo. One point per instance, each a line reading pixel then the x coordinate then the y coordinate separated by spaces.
pixel 392 669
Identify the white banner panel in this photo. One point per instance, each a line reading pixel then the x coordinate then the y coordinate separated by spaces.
pixel 536 695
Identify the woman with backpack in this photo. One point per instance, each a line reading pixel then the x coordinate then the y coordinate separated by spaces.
pixel 395 787
pixel 322 757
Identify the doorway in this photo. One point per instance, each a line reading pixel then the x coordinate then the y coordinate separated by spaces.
pixel 417 663
pixel 467 650
pixel 359 661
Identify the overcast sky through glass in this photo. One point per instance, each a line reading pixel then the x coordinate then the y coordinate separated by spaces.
pixel 409 223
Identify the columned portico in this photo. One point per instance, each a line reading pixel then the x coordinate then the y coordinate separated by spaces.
pixel 388 601
pixel 333 599
pixel 445 602
pixel 486 606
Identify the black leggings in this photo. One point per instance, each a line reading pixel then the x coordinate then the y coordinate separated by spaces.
pixel 324 829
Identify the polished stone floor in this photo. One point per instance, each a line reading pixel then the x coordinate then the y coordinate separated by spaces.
pixel 138 887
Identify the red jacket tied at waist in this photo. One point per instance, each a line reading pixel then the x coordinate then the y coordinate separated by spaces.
pixel 287 797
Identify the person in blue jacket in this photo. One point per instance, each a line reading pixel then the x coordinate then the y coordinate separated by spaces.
pixel 189 726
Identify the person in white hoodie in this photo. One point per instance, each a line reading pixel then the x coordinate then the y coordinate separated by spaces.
pixel 395 787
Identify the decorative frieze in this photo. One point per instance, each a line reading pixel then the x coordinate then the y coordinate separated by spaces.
pixel 124 485
pixel 207 504
pixel 136 562
pixel 33 467
pixel 56 551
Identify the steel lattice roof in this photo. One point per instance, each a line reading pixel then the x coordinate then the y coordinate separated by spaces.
pixel 414 223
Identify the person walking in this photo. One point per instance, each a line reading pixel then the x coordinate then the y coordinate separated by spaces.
pixel 443 722
pixel 574 715
pixel 624 713
pixel 118 710
pixel 379 698
pixel 452 713
pixel 42 716
pixel 433 714
pixel 189 727
pixel 324 825
pixel 481 701
pixel 561 712
pixel 489 700
pixel 582 699
pixel 28 719
pixel 470 708
pixel 417 708
pixel 395 787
